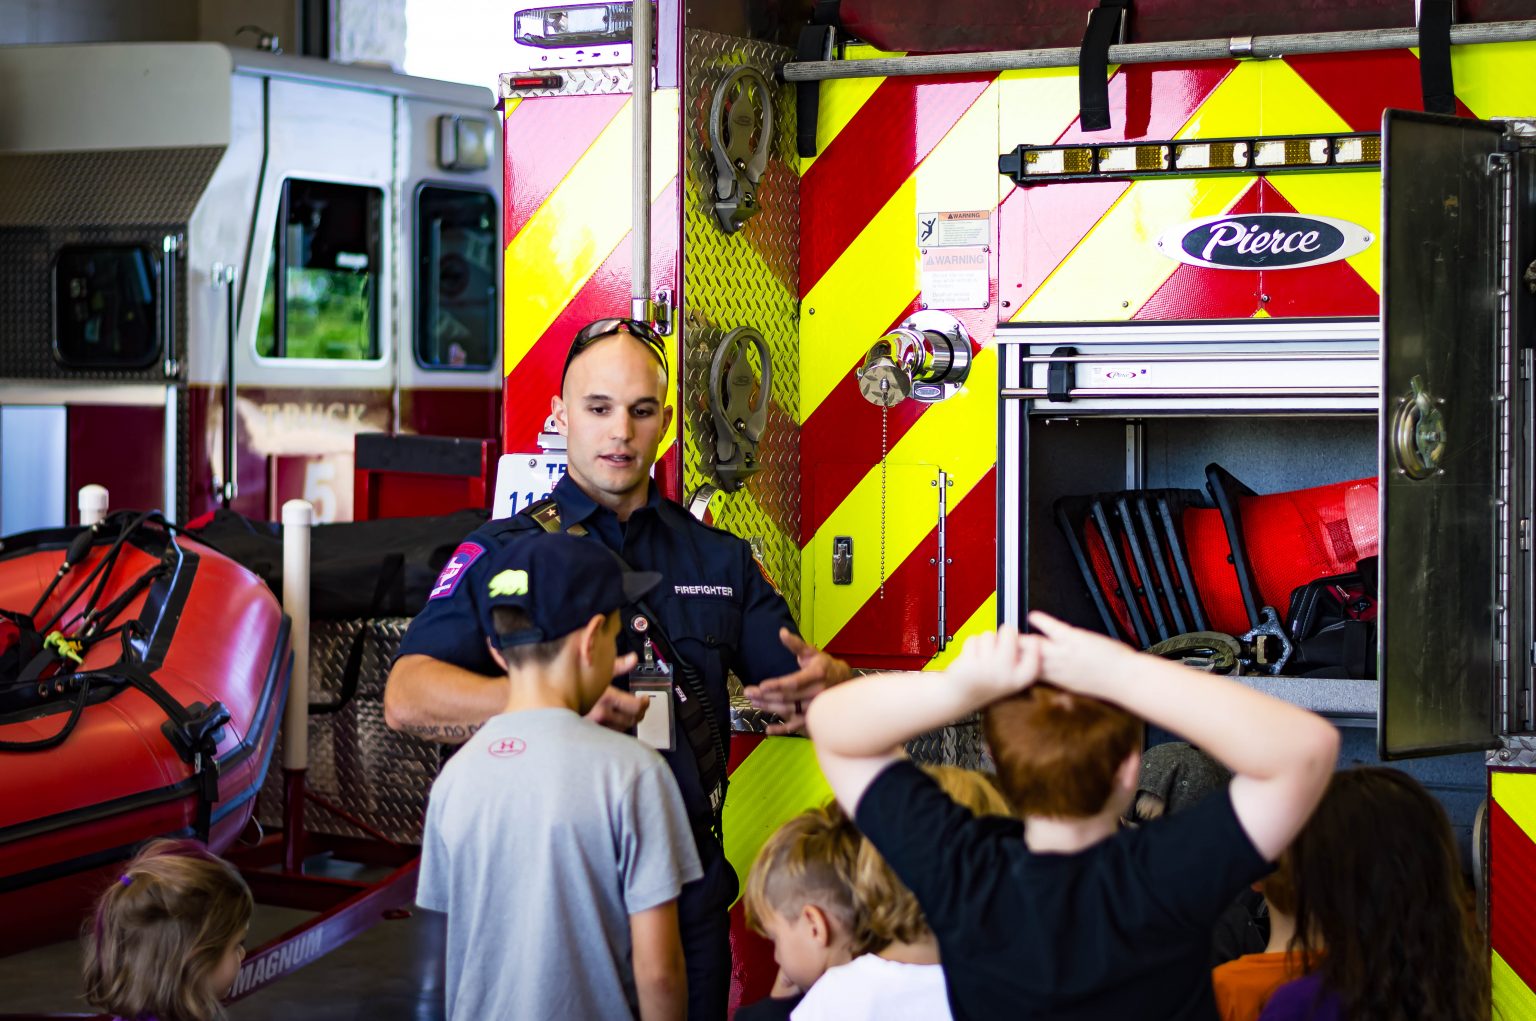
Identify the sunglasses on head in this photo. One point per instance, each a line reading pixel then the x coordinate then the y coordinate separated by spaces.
pixel 598 329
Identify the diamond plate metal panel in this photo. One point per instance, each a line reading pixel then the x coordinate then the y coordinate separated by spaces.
pixel 111 188
pixel 379 777
pixel 574 81
pixel 747 279
pixel 959 744
pixel 1518 751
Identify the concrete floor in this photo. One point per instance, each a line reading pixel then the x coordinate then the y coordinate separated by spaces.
pixel 392 972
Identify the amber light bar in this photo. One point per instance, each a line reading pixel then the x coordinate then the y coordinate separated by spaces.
pixel 1046 164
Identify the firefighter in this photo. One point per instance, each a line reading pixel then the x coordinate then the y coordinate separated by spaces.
pixel 714 612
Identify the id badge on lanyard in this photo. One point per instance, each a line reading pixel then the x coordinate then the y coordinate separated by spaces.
pixel 651 680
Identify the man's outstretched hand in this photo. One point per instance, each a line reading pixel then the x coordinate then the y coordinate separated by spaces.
pixel 789 695
pixel 617 709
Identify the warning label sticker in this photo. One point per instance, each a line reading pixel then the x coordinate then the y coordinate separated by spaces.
pixel 954 229
pixel 955 277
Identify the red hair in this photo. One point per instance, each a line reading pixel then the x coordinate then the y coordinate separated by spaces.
pixel 1057 753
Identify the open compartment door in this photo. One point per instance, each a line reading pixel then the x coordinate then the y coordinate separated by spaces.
pixel 1445 437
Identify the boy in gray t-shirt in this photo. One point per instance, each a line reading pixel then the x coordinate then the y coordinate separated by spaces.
pixel 557 847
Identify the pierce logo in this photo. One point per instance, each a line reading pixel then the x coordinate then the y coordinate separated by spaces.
pixel 1257 241
pixel 508 747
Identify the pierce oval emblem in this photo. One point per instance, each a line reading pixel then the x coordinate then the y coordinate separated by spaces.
pixel 1254 241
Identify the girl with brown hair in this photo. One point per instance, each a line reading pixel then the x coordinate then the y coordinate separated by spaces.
pixel 1379 885
pixel 167 937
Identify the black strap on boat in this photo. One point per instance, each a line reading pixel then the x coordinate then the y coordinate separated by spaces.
pixel 42 744
pixel 79 549
pixel 1435 78
pixel 695 712
pixel 99 574
pixel 1106 26
pixel 194 730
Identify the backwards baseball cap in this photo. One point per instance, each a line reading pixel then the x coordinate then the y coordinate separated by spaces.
pixel 560 582
pixel 1181 774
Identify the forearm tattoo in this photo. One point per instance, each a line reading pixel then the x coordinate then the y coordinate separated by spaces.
pixel 448 733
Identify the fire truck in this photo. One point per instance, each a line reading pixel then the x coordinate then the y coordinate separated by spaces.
pixel 1162 325
pixel 222 265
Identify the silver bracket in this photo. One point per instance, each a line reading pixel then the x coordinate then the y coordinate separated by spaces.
pixel 698 504
pixel 660 311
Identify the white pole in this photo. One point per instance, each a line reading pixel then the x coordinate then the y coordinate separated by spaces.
pixel 641 35
pixel 1261 46
pixel 298 516
pixel 92 501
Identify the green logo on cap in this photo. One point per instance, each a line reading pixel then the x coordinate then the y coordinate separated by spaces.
pixel 510 583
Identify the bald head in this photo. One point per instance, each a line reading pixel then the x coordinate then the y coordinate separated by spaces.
pixel 613 411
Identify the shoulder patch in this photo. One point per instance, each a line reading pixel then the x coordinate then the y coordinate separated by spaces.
pixel 455 569
pixel 762 569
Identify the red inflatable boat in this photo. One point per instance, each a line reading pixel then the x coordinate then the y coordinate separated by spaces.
pixel 142 681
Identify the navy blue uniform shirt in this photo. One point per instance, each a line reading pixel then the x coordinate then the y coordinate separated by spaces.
pixel 713 600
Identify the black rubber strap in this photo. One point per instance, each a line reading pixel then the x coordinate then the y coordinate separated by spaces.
pixel 815 44
pixel 1435 56
pixel 391 578
pixel 42 744
pixel 1060 377
pixel 1104 24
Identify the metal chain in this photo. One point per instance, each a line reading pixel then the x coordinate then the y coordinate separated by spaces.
pixel 885 416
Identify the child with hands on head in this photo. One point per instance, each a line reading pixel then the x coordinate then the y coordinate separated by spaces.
pixel 167 937
pixel 1068 915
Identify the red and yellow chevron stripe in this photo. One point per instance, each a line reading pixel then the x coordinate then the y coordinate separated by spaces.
pixel 1512 893
pixel 566 225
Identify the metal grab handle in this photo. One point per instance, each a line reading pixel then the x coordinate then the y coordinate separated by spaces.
pixel 224 276
pixel 1039 392
pixel 170 247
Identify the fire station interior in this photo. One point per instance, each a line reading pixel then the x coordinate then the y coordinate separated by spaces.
pixel 347 265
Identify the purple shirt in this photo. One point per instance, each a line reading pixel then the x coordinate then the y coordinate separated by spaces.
pixel 1303 1000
